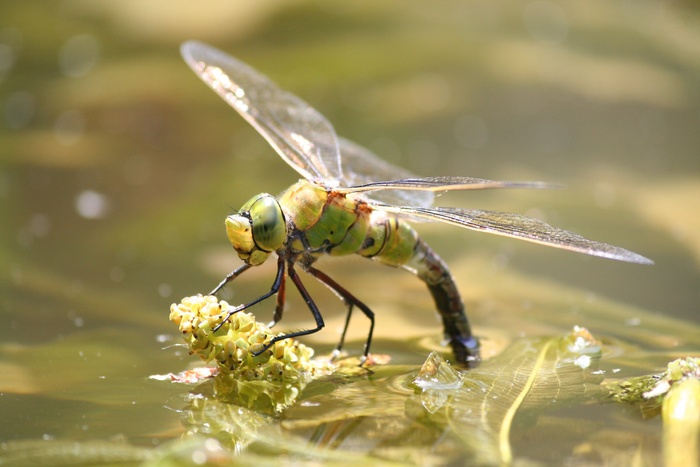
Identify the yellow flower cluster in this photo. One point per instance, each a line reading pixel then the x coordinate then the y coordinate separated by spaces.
pixel 234 344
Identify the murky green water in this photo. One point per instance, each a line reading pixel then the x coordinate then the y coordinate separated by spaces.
pixel 117 168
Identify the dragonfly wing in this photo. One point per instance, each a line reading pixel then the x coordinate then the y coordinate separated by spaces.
pixel 432 184
pixel 361 167
pixel 364 172
pixel 521 227
pixel 303 137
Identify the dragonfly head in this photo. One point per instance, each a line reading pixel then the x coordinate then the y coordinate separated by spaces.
pixel 258 229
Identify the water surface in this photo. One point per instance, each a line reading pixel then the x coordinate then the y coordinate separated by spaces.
pixel 117 168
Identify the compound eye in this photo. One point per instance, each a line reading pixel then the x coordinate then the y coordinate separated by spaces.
pixel 269 226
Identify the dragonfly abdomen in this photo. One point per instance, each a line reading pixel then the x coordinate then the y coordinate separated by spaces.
pixel 395 243
pixel 389 241
pixel 428 266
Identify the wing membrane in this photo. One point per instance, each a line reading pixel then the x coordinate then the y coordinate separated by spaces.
pixel 361 167
pixel 306 140
pixel 303 137
pixel 520 227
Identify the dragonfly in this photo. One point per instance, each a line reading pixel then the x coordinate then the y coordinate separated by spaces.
pixel 350 201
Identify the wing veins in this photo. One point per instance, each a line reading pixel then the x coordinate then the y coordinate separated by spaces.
pixel 442 184
pixel 519 227
pixel 301 135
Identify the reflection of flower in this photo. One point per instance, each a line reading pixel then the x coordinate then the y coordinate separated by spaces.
pixel 279 373
pixel 261 396
pixel 233 426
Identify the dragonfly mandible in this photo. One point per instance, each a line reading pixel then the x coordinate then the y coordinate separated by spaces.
pixel 351 202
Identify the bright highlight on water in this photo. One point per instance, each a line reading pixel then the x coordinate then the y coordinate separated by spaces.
pixel 352 202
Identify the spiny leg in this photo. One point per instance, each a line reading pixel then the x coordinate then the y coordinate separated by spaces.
pixel 351 301
pixel 309 302
pixel 231 276
pixel 273 290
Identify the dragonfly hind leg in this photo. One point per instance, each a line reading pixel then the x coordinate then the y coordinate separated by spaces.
pixel 351 301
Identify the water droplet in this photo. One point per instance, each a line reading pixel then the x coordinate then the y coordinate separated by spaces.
pixel 91 204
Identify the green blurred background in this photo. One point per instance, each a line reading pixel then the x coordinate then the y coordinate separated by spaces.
pixel 118 166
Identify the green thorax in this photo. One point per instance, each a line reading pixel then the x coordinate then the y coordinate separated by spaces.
pixel 324 221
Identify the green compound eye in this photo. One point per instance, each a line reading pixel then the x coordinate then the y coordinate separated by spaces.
pixel 269 226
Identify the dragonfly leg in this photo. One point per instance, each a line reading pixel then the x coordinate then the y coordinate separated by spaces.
pixel 309 302
pixel 279 305
pixel 351 301
pixel 341 343
pixel 279 279
pixel 231 276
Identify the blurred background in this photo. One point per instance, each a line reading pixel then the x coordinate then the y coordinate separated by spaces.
pixel 118 167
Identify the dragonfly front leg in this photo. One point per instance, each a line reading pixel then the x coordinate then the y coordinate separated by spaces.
pixel 279 279
pixel 231 276
pixel 309 302
pixel 351 301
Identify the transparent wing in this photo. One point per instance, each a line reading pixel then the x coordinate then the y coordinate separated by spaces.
pixel 366 173
pixel 362 168
pixel 306 140
pixel 298 132
pixel 432 184
pixel 521 227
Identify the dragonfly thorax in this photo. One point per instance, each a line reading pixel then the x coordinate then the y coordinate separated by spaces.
pixel 258 229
